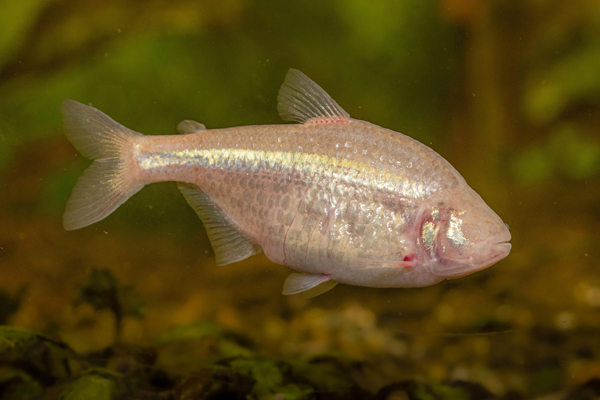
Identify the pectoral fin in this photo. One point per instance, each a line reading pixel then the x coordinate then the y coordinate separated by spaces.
pixel 310 285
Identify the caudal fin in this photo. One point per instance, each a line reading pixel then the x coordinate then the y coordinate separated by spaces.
pixel 108 182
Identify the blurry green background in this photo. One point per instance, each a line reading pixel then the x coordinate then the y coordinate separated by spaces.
pixel 508 91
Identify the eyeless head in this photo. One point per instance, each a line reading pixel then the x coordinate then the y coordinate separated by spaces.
pixel 458 242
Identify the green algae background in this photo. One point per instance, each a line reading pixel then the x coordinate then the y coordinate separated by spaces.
pixel 508 91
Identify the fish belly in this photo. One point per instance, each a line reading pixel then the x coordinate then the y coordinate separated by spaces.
pixel 315 198
pixel 309 221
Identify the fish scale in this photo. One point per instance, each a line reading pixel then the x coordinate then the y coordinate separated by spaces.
pixel 338 200
pixel 336 176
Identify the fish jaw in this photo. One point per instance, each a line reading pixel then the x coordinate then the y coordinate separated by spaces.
pixel 462 235
pixel 488 254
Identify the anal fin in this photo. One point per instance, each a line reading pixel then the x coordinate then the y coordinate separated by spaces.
pixel 310 285
pixel 229 242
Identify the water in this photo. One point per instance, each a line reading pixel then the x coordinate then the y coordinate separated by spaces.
pixel 508 93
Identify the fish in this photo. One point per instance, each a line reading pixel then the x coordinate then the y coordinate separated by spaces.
pixel 336 199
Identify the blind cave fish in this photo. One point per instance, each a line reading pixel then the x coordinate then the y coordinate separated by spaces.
pixel 336 199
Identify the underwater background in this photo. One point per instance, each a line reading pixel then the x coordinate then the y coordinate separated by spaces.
pixel 134 306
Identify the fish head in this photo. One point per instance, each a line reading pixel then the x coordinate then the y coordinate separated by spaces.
pixel 462 236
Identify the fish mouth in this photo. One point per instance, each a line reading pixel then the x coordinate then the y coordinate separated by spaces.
pixel 500 250
pixel 502 246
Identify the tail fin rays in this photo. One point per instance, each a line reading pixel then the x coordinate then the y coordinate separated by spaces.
pixel 108 182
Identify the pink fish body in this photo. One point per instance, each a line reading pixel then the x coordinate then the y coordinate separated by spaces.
pixel 334 198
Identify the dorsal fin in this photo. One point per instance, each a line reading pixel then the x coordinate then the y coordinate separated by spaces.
pixel 229 243
pixel 302 100
pixel 188 126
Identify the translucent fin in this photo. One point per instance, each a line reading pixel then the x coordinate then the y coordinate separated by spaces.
pixel 93 133
pixel 229 243
pixel 319 289
pixel 310 285
pixel 108 182
pixel 302 100
pixel 370 263
pixel 188 126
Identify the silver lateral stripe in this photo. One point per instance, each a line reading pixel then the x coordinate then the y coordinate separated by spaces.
pixel 348 171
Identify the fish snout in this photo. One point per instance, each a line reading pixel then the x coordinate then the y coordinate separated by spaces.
pixel 500 244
